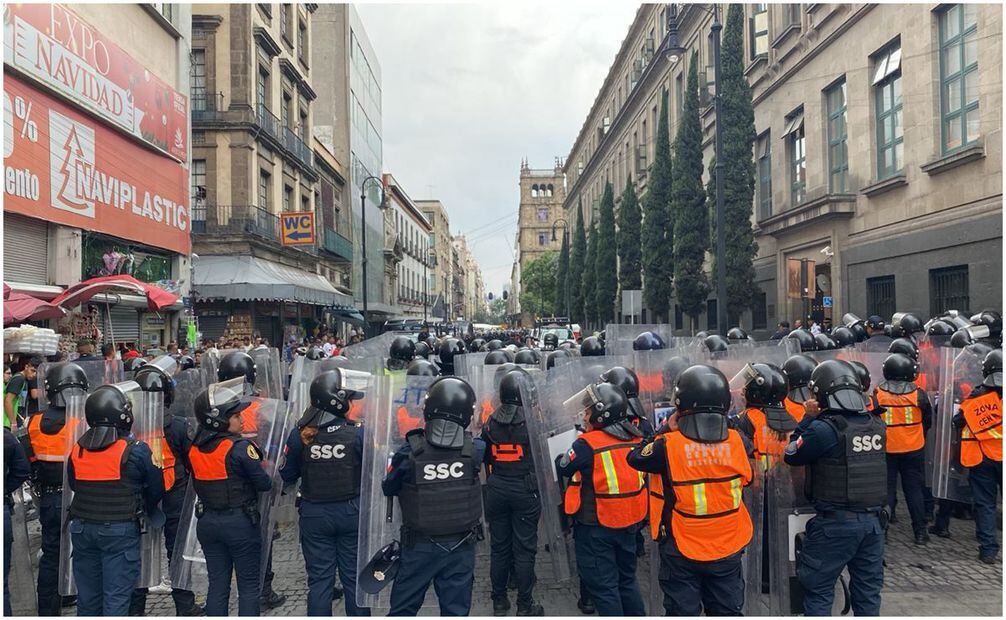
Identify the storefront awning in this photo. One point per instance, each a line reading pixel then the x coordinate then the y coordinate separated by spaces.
pixel 245 278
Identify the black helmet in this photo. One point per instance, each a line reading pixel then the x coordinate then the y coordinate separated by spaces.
pixel 904 346
pixel 448 409
pixel 702 334
pixel 63 376
pixel 315 353
pixel 402 351
pixel 153 379
pixel 448 349
pixel 716 343
pixel 331 392
pixel 422 368
pixel 624 378
pixel 510 385
pixel 859 331
pixel 804 338
pixel 798 369
pixel 992 369
pixel 527 357
pixel 843 336
pixel 648 341
pixel 133 364
pixel 214 406
pixel 108 405
pixel 863 374
pixel 591 346
pixel 186 362
pixel 940 328
pixel 423 350
pixel 476 344
pixel 604 403
pixel 780 384
pixel 237 364
pixel 702 398
pixel 835 385
pixel 823 342
pixel 499 356
pixel 432 341
pixel 551 339
pixel 968 335
pixel 762 386
pixel 899 367
pixel 736 333
pixel 993 320
pixel 555 356
pixel 494 344
pixel 568 345
pixel 907 323
pixel 670 372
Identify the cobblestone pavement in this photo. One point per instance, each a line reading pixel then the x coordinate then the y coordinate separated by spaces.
pixel 941 578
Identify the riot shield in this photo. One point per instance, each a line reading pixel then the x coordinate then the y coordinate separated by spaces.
pixel 188 384
pixel 188 565
pixel 466 364
pixel 961 373
pixel 268 371
pixel 98 372
pixel 657 370
pixel 485 382
pixel 874 363
pixel 618 337
pixel 148 427
pixel 756 602
pixel 874 344
pixel 21 580
pixel 76 425
pixel 371 354
pixel 788 513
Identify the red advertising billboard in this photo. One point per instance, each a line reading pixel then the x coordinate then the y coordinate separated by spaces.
pixel 65 167
pixel 54 46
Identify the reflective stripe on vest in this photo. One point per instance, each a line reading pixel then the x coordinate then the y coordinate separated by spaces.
pixel 618 497
pixel 50 448
pixel 795 409
pixel 984 417
pixel 709 521
pixel 904 421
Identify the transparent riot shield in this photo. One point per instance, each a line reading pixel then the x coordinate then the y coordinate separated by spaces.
pixel 874 363
pixel 98 372
pixel 188 384
pixel 76 425
pixel 466 364
pixel 874 344
pixel 931 363
pixel 787 515
pixel 618 337
pixel 188 565
pixel 370 354
pixel 657 370
pixel 485 382
pixel 961 373
pixel 148 427
pixel 756 601
pixel 21 580
pixel 268 370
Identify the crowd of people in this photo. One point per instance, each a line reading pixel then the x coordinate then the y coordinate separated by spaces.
pixel 696 444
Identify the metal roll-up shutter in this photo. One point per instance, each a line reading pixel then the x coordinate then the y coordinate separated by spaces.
pixel 125 325
pixel 264 325
pixel 25 249
pixel 212 327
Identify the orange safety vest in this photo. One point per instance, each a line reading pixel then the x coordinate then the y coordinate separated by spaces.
pixel 984 417
pixel 618 496
pixel 49 448
pixel 795 409
pixel 904 421
pixel 709 521
pixel 768 447
pixel 655 500
pixel 102 492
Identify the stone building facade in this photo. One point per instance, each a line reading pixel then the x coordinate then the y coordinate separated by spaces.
pixel 542 193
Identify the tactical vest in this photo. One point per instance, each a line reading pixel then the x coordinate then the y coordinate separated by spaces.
pixel 984 416
pixel 769 444
pixel 903 418
pixel 443 496
pixel 103 493
pixel 614 495
pixel 509 449
pixel 856 479
pixel 49 450
pixel 217 486
pixel 709 520
pixel 330 465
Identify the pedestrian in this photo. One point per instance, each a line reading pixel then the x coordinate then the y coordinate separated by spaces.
pixel 329 346
pixel 108 352
pixel 781 331
pixel 442 517
pixel 797 324
pixel 606 499
pixel 85 351
pixel 815 329
pixel 16 471
pixel 325 452
pixel 847 486
pixel 21 393
pixel 705 463
pixel 114 480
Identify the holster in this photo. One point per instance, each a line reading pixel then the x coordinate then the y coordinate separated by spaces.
pixel 251 511
pixel 200 510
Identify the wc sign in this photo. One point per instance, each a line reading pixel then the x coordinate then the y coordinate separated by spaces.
pixel 297 227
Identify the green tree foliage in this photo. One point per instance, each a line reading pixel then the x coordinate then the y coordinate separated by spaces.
pixel 590 277
pixel 537 284
pixel 658 234
pixel 605 269
pixel 577 256
pixel 629 249
pixel 691 228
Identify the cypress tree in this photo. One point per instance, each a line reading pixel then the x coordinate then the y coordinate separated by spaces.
pixel 590 277
pixel 577 256
pixel 561 287
pixel 629 248
pixel 605 261
pixel 691 227
pixel 657 233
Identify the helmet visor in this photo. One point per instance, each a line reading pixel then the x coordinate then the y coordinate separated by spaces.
pixel 355 380
pixel 979 331
pixel 165 363
pixel 583 400
pixel 226 391
pixel 850 319
pixel 739 382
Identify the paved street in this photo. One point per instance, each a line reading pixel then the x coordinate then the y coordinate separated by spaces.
pixel 942 578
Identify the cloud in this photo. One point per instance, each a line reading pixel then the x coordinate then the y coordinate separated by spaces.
pixel 470 89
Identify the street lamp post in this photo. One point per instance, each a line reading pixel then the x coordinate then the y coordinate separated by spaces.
pixel 674 51
pixel 363 230
pixel 565 240
pixel 431 255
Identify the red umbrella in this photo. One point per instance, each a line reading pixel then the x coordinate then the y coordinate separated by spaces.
pixel 19 307
pixel 157 298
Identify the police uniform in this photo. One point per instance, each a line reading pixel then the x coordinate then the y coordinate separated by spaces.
pixel 329 468
pixel 16 472
pixel 439 493
pixel 980 421
pixel 113 486
pixel 844 452
pixel 227 475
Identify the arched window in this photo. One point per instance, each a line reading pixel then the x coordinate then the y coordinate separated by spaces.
pixel 550 190
pixel 534 190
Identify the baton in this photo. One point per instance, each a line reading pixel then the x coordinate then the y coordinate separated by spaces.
pixel 389 509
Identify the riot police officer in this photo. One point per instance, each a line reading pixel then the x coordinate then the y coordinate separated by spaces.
pixel 626 379
pixel 591 346
pixel 765 421
pixel 843 448
pixel 448 349
pixel 606 499
pixel 550 342
pixel 497 357
pixel 797 369
pixel 527 357
pixel 325 451
pixel 715 343
pixel 115 482
pixel 402 351
pixel 16 471
pixel 699 451
pixel 511 501
pixel 435 476
pixel 648 341
pixel 47 446
pixel 422 368
pixel 804 339
pixel 736 334
pixel 227 475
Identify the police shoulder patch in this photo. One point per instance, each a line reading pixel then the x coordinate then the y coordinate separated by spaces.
pixel 647 450
pixel 253 453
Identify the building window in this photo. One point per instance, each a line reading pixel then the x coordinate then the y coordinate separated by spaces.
pixel 303 126
pixel 198 79
pixel 880 298
pixel 263 189
pixel 679 318
pixel 302 41
pixel 542 239
pixel 197 180
pixel 711 311
pixel 262 88
pixel 305 202
pixel 543 214
pixel 764 154
pixel 794 14
pixel 959 75
pixel 758 30
pixel 890 138
pixel 759 311
pixel 797 142
pixel 284 21
pixel 838 157
pixel 285 111
pixel 948 289
pixel 287 198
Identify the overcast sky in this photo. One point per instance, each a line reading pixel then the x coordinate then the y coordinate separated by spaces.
pixel 469 90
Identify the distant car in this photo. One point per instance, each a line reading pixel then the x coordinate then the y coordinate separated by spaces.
pixel 562 333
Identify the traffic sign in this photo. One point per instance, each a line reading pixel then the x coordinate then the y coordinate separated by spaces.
pixel 826 302
pixel 297 227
